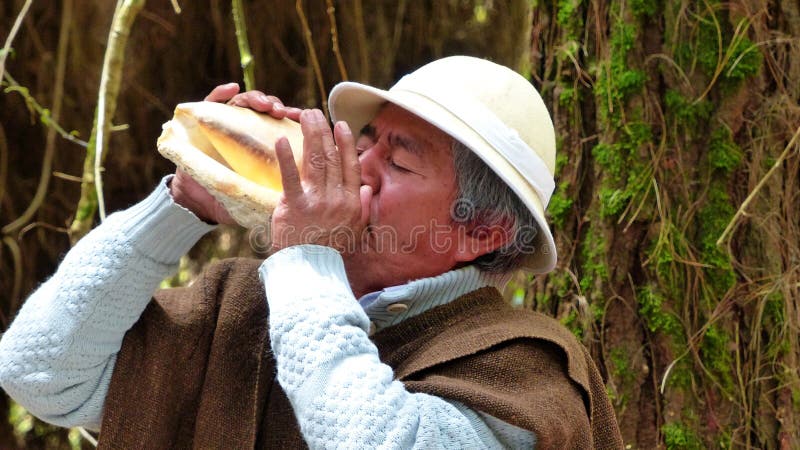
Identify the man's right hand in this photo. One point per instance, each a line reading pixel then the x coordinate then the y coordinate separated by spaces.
pixel 188 192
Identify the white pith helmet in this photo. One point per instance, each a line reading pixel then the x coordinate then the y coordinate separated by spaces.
pixel 489 108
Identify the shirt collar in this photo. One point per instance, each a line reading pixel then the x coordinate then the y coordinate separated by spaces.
pixel 394 304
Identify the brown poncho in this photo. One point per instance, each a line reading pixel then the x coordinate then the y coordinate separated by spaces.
pixel 196 370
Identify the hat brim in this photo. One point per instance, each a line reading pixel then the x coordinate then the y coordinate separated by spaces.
pixel 357 104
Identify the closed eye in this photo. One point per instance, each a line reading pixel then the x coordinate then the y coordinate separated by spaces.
pixel 393 165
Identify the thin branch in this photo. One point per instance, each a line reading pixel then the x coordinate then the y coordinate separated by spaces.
pixel 42 112
pixel 110 79
pixel 245 56
pixel 758 187
pixel 312 55
pixel 3 161
pixel 85 434
pixel 16 256
pixel 50 143
pixel 335 40
pixel 361 39
pixel 14 29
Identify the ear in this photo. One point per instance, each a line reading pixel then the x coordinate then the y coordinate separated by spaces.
pixel 476 240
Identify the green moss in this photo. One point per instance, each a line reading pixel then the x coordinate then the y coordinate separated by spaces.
pixel 796 398
pixel 573 324
pixel 617 81
pixel 774 310
pixel 568 16
pixel 679 436
pixel 713 217
pixel 643 8
pixel 652 310
pixel 716 356
pixel 744 61
pixel 723 153
pixel 568 97
pixel 593 252
pixel 724 156
pixel 610 158
pixel 560 205
pixel 613 201
pixel 621 166
pixel 716 44
pixel 621 365
pixel 620 369
pixel 561 282
pixel 687 112
pixel 561 161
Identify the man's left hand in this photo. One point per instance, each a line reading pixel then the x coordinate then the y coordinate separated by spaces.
pixel 327 205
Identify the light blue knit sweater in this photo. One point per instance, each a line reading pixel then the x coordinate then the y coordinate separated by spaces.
pixel 57 357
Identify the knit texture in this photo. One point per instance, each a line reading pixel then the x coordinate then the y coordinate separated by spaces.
pixel 341 392
pixel 57 357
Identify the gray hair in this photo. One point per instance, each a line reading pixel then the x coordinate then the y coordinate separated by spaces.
pixel 484 198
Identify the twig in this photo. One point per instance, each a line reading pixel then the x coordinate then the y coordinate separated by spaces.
pixel 110 79
pixel 361 39
pixel 312 55
pixel 50 143
pixel 16 256
pixel 14 29
pixel 3 161
pixel 245 56
pixel 66 176
pixel 761 183
pixel 42 112
pixel 86 435
pixel 335 39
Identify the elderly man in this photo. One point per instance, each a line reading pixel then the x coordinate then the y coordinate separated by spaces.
pixel 399 341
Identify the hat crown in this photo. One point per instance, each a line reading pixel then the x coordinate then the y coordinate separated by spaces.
pixel 498 89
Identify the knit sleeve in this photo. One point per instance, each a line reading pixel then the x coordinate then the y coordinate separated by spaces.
pixel 342 394
pixel 57 357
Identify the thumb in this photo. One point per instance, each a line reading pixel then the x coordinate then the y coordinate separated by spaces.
pixel 365 192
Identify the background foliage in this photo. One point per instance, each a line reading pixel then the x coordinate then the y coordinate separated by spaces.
pixel 676 213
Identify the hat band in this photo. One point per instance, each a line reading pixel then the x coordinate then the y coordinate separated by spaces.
pixel 500 136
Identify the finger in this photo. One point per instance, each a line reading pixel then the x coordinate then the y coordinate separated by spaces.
pixel 222 93
pixel 333 160
pixel 351 169
pixel 258 101
pixel 313 152
pixel 290 177
pixel 251 99
pixel 292 113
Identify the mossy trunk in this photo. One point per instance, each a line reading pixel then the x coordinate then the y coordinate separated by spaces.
pixel 669 114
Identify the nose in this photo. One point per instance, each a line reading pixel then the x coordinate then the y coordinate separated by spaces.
pixel 371 163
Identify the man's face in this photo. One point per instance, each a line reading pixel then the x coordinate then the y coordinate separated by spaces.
pixel 409 165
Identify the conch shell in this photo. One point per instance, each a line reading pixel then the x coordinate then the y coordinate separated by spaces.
pixel 231 152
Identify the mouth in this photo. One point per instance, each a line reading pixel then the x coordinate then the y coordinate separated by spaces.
pixel 368 237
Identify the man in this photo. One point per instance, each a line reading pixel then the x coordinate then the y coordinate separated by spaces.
pixel 399 341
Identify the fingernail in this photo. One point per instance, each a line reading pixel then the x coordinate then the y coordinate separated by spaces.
pixel 342 126
pixel 232 85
